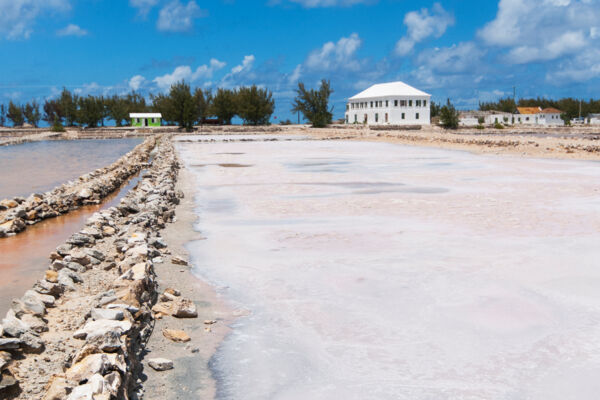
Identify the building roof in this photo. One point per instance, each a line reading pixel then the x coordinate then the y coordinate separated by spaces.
pixel 529 110
pixel 387 90
pixel 145 115
pixel 551 110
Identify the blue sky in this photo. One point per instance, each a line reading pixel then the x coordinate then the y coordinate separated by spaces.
pixel 465 50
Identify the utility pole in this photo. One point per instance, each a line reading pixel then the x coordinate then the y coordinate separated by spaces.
pixel 515 94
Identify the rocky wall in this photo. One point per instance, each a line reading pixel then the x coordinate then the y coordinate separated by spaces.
pixel 80 332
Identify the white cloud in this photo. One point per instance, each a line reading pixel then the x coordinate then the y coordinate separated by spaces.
pixel 136 82
pixel 422 25
pixel 542 31
pixel 329 3
pixel 72 30
pixel 185 72
pixel 143 6
pixel 335 56
pixel 17 17
pixel 295 75
pixel 581 68
pixel 176 17
pixel 246 64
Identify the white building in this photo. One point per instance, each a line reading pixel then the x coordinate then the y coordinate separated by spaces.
pixel 394 103
pixel 474 118
pixel 594 119
pixel 537 116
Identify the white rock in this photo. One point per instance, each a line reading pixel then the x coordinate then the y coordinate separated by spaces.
pixel 98 328
pixel 82 392
pixel 160 364
pixel 85 193
pixel 44 298
pixel 131 309
pixel 102 313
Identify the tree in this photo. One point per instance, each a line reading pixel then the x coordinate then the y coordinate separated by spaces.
pixel 224 105
pixel 507 105
pixel 52 112
pixel 255 106
pixel 117 108
pixel 435 109
pixel 314 104
pixel 32 114
pixel 2 115
pixel 68 105
pixel 449 116
pixel 203 101
pixel 178 107
pixel 15 114
pixel 91 111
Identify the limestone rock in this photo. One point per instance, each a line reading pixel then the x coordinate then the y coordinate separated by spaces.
pixel 51 276
pixel 99 328
pixel 90 365
pixel 28 305
pixel 160 364
pixel 36 324
pixel 30 343
pixel 80 257
pixel 57 388
pixel 179 260
pixel 102 313
pixel 46 287
pixel 9 343
pixel 176 335
pixel 85 194
pixel 44 298
pixel 13 326
pixel 184 308
pixel 5 359
pixel 7 380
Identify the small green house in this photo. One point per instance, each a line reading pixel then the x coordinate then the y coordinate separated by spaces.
pixel 143 120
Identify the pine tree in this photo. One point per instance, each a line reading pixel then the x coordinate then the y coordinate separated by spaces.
pixel 314 104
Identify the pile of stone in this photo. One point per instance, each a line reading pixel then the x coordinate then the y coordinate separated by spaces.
pixel 80 333
pixel 16 214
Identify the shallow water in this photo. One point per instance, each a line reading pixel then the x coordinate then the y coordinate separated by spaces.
pixel 37 167
pixel 381 274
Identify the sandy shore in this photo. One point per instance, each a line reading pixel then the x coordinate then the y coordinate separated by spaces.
pixel 192 377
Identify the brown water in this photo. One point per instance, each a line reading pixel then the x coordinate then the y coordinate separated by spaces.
pixel 24 257
pixel 40 166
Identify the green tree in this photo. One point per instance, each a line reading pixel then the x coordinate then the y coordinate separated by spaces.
pixel 118 109
pixel 203 102
pixel 31 112
pixel 91 111
pixel 224 105
pixel 507 105
pixel 178 107
pixel 314 104
pixel 435 109
pixel 255 106
pixel 449 116
pixel 52 112
pixel 68 105
pixel 15 114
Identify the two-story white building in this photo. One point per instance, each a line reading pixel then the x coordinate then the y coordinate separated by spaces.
pixel 394 103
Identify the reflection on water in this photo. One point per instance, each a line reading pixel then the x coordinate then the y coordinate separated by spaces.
pixel 38 167
pixel 24 257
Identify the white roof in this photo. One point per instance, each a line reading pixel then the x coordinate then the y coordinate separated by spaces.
pixel 145 115
pixel 389 89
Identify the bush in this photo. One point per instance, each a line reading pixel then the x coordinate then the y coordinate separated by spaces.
pixel 480 126
pixel 254 105
pixel 449 117
pixel 481 120
pixel 286 122
pixel 498 125
pixel 57 127
pixel 314 104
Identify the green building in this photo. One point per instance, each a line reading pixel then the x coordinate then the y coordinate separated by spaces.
pixel 143 120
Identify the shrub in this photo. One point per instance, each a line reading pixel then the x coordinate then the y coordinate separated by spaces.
pixel 480 126
pixel 449 117
pixel 314 104
pixel 498 125
pixel 286 122
pixel 57 127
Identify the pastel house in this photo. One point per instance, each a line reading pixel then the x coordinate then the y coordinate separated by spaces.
pixel 142 120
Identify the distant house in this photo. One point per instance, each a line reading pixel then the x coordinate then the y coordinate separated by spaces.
pixel 393 103
pixel 142 120
pixel 594 119
pixel 474 118
pixel 537 116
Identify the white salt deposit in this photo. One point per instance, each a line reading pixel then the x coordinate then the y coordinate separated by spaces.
pixel 379 271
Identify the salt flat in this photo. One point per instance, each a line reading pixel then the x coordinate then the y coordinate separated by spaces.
pixel 374 270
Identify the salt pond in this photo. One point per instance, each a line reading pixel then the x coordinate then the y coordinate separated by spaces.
pixel 380 271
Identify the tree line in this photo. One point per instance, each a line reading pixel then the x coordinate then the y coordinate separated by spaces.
pixel 182 106
pixel 569 106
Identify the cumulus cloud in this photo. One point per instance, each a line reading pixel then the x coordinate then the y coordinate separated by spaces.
pixel 581 68
pixel 185 72
pixel 136 82
pixel 542 31
pixel 17 17
pixel 335 55
pixel 177 17
pixel 422 25
pixel 72 30
pixel 240 74
pixel 143 6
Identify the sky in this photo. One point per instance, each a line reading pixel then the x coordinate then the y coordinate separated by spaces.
pixel 463 50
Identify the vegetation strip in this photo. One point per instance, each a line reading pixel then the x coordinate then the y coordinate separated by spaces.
pixel 18 213
pixel 80 332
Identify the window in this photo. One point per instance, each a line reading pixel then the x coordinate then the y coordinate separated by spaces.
pixel 527 119
pixel 387 103
pixel 371 104
pixel 395 103
pixel 403 116
pixel 376 117
pixel 417 116
pixel 346 119
pixel 402 103
pixel 386 117
pixel 366 118
pixel 418 103
pixel 355 117
pixel 410 103
pixel 381 103
pixel 424 103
